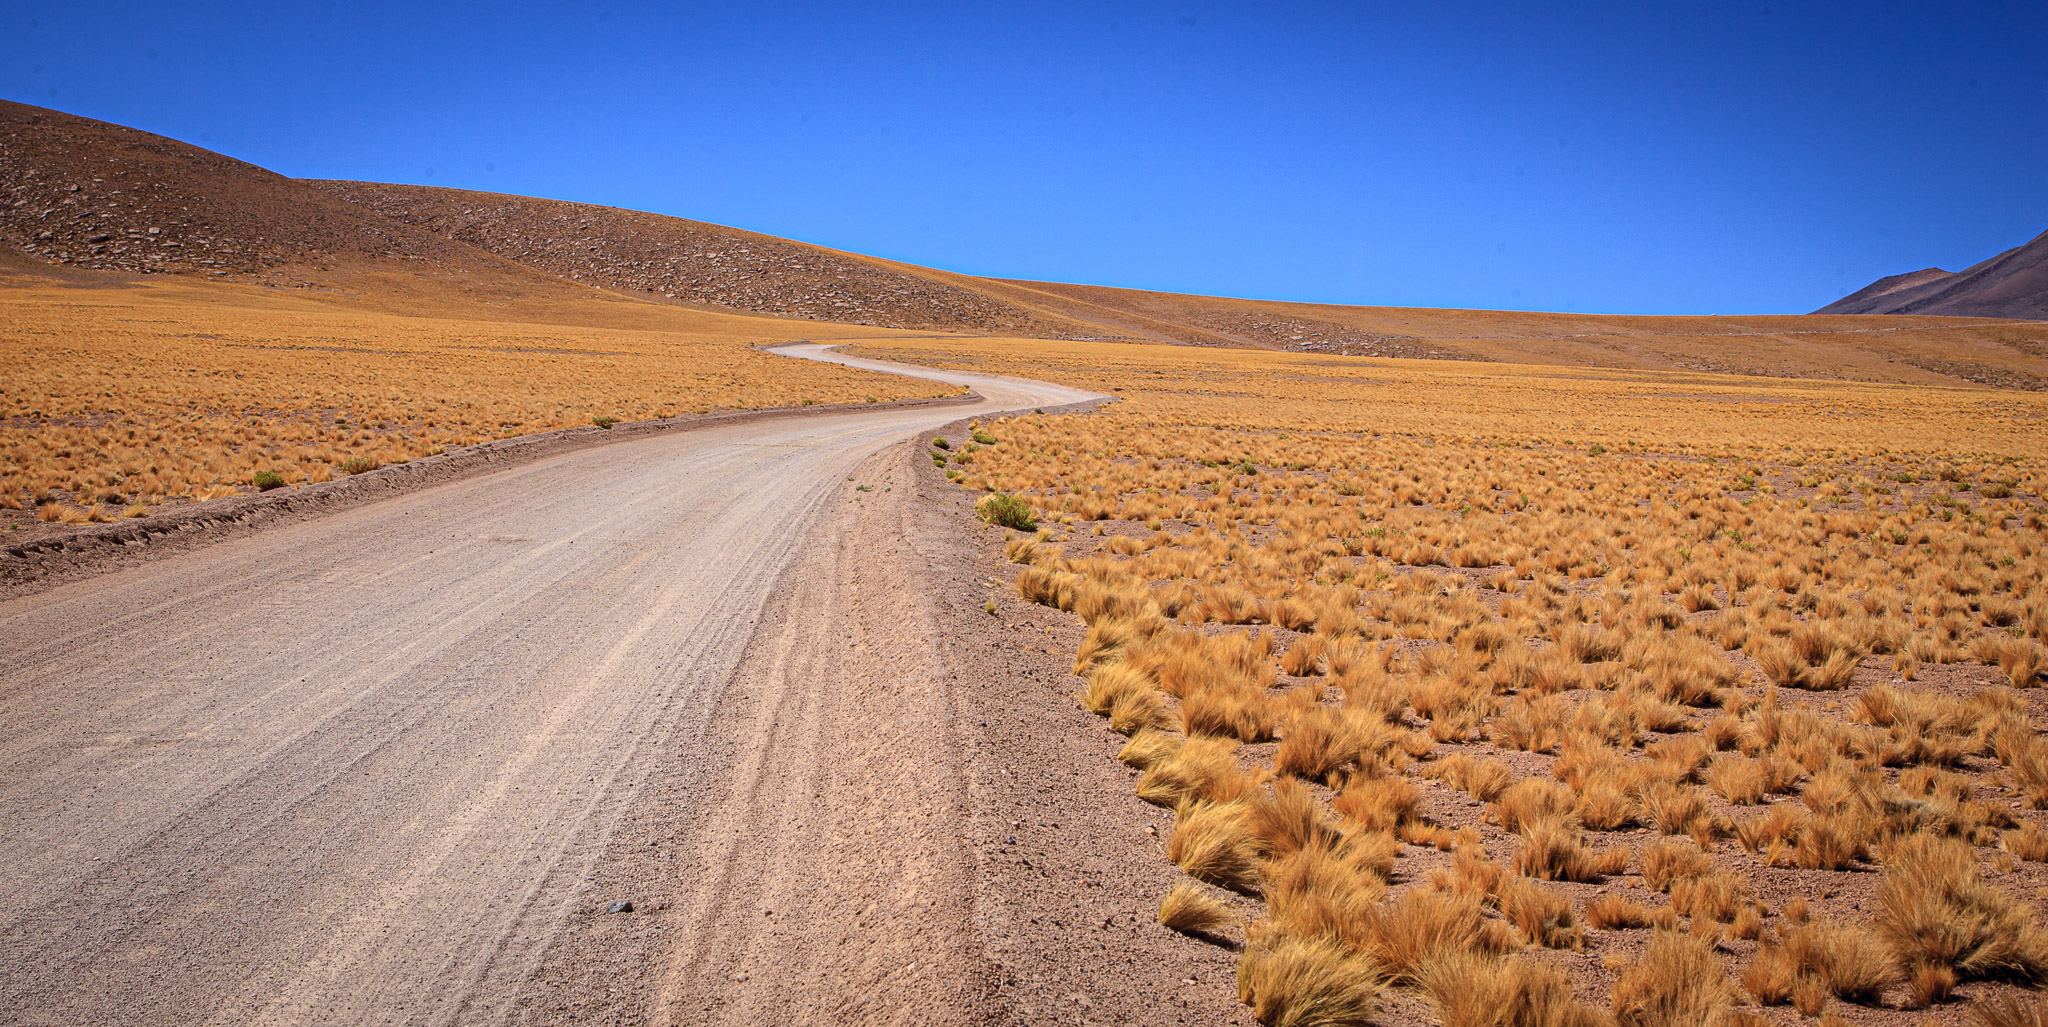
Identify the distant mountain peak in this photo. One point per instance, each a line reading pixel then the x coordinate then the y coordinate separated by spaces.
pixel 2011 284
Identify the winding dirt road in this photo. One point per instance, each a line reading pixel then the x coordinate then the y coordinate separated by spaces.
pixel 360 770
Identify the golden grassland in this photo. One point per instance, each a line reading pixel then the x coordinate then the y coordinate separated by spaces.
pixel 1677 412
pixel 1879 348
pixel 1523 696
pixel 121 397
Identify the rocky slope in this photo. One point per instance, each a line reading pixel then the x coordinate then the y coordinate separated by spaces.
pixel 633 251
pixel 2012 284
pixel 90 194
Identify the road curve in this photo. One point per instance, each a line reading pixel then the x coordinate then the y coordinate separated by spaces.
pixel 355 770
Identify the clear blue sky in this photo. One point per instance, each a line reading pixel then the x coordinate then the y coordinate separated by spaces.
pixel 1641 157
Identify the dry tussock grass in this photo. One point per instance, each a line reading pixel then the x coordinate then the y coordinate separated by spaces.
pixel 1291 982
pixel 1190 910
pixel 179 390
pixel 1785 645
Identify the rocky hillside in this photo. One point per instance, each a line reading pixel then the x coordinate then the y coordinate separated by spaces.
pixel 2012 284
pixel 90 194
pixel 633 251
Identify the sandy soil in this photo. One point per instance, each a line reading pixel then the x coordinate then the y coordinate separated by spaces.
pixel 388 766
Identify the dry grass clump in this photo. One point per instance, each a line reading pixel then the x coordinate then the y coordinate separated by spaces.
pixel 1664 864
pixel 1291 982
pixel 1378 803
pixel 1739 780
pixel 1846 962
pixel 1533 801
pixel 1483 779
pixel 1449 629
pixel 2029 842
pixel 1679 982
pixel 1946 924
pixel 1542 915
pixel 1405 934
pixel 1610 912
pixel 1147 748
pixel 1197 769
pixel 1214 842
pixel 1554 851
pixel 2011 1011
pixel 1320 741
pixel 1475 990
pixel 1190 910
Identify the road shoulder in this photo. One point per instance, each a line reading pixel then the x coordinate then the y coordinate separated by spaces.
pixel 895 813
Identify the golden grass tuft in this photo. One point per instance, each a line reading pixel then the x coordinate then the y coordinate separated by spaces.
pixel 1290 982
pixel 1215 842
pixel 1475 990
pixel 1543 914
pixel 1319 742
pixel 1147 748
pixel 1678 982
pixel 1738 779
pixel 1611 912
pixel 1483 779
pixel 1419 926
pixel 2010 1011
pixel 2029 842
pixel 1532 801
pixel 1329 888
pixel 1664 864
pixel 1107 685
pixel 1378 803
pixel 1190 910
pixel 1286 818
pixel 1198 769
pixel 1937 913
pixel 1553 850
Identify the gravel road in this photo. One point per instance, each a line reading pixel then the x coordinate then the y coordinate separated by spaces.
pixel 361 769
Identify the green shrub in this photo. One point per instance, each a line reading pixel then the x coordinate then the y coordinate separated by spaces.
pixel 1008 512
pixel 267 480
pixel 940 441
pixel 604 421
pixel 984 438
pixel 358 465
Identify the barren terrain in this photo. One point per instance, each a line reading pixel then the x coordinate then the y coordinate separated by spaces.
pixel 424 605
pixel 362 769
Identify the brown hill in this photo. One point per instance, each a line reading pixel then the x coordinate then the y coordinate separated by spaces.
pixel 637 253
pixel 89 194
pixel 675 258
pixel 1862 300
pixel 2013 284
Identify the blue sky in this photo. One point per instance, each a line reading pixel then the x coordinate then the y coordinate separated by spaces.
pixel 1632 158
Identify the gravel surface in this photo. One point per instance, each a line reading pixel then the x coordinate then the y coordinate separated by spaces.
pixel 382 767
pixel 907 820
